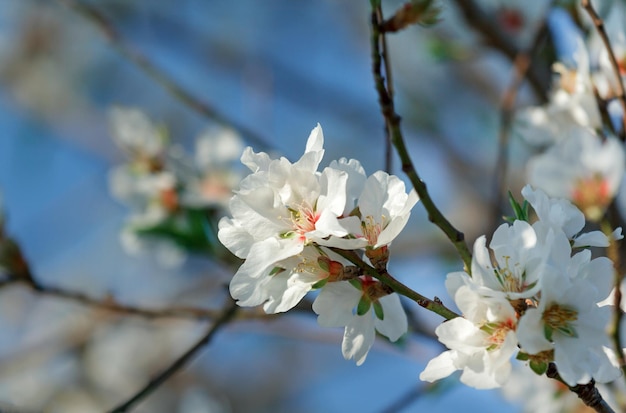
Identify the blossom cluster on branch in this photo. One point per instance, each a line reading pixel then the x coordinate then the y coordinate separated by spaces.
pixel 535 293
pixel 286 220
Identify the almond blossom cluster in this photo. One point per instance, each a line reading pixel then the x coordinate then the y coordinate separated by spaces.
pixel 582 159
pixel 290 221
pixel 174 198
pixel 534 294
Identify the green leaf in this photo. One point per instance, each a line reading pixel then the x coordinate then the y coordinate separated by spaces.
pixel 364 305
pixel 539 367
pixel 522 356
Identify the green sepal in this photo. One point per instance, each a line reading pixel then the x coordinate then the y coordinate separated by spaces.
pixel 323 263
pixel 276 270
pixel 364 305
pixel 547 332
pixel 378 310
pixel 356 283
pixel 539 367
pixel 319 284
pixel 522 356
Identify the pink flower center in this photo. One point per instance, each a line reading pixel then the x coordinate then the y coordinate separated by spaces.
pixel 371 230
pixel 592 196
pixel 303 219
pixel 498 332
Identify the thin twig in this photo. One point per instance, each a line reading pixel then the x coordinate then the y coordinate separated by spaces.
pixel 383 276
pixel 499 40
pixel 390 91
pixel 102 23
pixel 228 313
pixel 599 24
pixel 521 64
pixel 393 120
pixel 109 304
pixel 588 393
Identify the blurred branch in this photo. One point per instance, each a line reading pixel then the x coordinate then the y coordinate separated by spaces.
pixel 228 313
pixel 102 23
pixel 392 120
pixel 588 393
pixel 521 65
pixel 109 304
pixel 496 38
pixel 599 24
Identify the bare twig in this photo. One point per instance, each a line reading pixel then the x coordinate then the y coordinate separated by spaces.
pixel 108 303
pixel 588 393
pixel 496 38
pixel 228 313
pixel 393 121
pixel 599 24
pixel 102 23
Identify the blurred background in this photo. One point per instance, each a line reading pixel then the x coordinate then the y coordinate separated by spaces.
pixel 271 70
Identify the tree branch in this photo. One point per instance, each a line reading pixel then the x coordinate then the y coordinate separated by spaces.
pixel 102 23
pixel 496 38
pixel 393 121
pixel 229 313
pixel 588 393
pixel 599 24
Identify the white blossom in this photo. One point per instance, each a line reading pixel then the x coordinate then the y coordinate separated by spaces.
pixel 481 342
pixel 363 307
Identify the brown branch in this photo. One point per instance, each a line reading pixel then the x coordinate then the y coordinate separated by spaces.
pixel 229 313
pixel 496 38
pixel 588 393
pixel 599 24
pixel 102 23
pixel 393 121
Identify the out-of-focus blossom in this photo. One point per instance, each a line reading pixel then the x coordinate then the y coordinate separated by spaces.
pixel 582 168
pixel 210 180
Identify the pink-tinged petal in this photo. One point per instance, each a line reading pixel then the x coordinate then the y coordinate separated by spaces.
pixel 395 324
pixel 441 366
pixel 327 224
pixel 358 338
